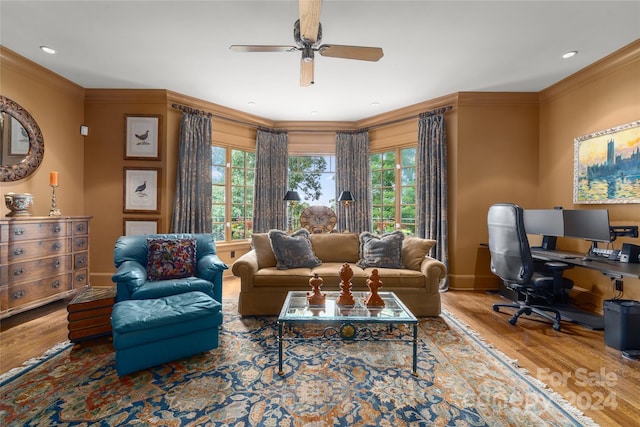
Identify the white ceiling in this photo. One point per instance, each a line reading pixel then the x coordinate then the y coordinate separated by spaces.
pixel 431 48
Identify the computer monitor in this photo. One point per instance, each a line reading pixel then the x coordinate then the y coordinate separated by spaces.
pixel 545 222
pixel 588 224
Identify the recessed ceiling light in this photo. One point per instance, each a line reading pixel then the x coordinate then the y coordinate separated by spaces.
pixel 570 54
pixel 314 113
pixel 251 104
pixel 375 104
pixel 48 50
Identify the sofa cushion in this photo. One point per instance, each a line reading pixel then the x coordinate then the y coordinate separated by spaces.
pixel 414 249
pixel 381 251
pixel 292 251
pixel 170 258
pixel 336 247
pixel 262 245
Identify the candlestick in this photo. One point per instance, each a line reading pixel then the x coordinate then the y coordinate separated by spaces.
pixel 53 178
pixel 54 209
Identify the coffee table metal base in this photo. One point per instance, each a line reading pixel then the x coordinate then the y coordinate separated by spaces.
pixel 350 328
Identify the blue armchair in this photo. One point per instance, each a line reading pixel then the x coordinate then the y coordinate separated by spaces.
pixel 132 279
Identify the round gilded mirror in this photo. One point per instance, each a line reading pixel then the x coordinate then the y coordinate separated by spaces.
pixel 21 142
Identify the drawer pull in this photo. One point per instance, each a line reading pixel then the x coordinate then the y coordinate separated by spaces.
pixel 82 259
pixel 18 294
pixel 56 263
pixel 80 228
pixel 80 278
pixel 56 284
pixel 81 243
pixel 56 246
pixel 18 271
pixel 18 231
pixel 56 228
pixel 18 251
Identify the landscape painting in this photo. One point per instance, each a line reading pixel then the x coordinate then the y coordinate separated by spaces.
pixel 607 166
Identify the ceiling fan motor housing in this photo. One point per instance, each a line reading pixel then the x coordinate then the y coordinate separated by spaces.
pixel 303 42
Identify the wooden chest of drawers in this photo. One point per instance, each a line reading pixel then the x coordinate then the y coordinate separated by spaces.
pixel 42 259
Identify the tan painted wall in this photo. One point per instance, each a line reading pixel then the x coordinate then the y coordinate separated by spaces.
pixel 57 106
pixel 104 159
pixel 602 96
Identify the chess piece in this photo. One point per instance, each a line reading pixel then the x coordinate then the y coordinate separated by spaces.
pixel 346 297
pixel 374 283
pixel 315 297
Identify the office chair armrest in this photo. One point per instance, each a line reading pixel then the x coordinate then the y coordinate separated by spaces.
pixel 557 266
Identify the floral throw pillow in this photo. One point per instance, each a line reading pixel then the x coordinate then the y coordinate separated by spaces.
pixel 293 251
pixel 381 251
pixel 170 258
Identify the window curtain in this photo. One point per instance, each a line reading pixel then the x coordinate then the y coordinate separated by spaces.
pixel 353 173
pixel 272 167
pixel 431 184
pixel 192 202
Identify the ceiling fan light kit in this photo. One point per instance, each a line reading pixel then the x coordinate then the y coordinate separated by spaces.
pixel 307 33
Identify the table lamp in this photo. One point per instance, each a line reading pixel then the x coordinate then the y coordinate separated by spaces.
pixel 346 197
pixel 292 197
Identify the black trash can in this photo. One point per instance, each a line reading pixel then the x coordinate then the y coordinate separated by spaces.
pixel 622 324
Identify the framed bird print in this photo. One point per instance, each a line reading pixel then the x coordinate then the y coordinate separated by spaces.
pixel 140 227
pixel 142 190
pixel 142 137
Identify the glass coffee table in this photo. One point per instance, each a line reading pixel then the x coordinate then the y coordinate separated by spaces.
pixel 348 322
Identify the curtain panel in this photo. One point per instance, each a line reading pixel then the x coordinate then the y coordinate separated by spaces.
pixel 192 202
pixel 271 181
pixel 431 185
pixel 353 173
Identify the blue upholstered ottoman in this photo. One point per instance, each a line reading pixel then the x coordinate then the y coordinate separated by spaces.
pixel 150 332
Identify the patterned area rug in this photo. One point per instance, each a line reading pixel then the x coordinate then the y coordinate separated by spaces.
pixel 460 382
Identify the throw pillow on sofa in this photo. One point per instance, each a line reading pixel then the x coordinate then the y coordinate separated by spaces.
pixel 381 251
pixel 292 251
pixel 171 258
pixel 414 249
pixel 262 245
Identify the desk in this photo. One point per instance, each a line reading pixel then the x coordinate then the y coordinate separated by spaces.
pixel 612 269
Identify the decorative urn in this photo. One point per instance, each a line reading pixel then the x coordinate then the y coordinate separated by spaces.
pixel 19 204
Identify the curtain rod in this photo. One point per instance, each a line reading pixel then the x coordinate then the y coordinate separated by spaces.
pixel 190 110
pixel 390 122
pixel 436 111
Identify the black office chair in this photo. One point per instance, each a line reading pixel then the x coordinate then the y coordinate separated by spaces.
pixel 511 260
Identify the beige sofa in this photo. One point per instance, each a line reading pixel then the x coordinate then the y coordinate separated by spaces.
pixel 263 287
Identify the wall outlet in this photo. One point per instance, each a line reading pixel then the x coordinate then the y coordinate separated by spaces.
pixel 233 254
pixel 618 285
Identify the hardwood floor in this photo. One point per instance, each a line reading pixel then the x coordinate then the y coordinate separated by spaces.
pixel 574 362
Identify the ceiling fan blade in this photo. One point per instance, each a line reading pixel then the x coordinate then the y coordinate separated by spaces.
pixel 306 73
pixel 361 53
pixel 262 48
pixel 310 19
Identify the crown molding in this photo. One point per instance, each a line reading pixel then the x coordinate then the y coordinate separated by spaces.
pixel 26 67
pixel 219 111
pixel 618 60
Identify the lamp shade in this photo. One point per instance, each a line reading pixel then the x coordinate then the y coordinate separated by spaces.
pixel 291 196
pixel 346 196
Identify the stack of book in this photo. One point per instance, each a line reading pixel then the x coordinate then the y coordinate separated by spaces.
pixel 90 313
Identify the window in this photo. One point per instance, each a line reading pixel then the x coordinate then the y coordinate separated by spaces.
pixel 233 175
pixel 313 177
pixel 218 192
pixel 393 186
pixel 243 167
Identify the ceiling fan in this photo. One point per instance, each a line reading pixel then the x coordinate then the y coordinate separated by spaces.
pixel 307 33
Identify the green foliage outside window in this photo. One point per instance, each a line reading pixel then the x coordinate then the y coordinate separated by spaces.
pixel 306 176
pixel 393 190
pixel 243 165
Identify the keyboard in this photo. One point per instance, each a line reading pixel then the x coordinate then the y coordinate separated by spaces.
pixel 556 254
